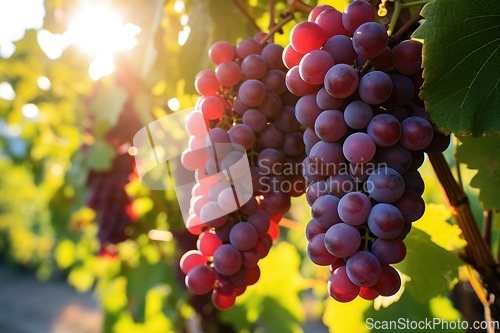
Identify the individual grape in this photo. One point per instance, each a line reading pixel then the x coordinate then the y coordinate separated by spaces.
pixel 398 112
pixel 217 143
pixel 411 205
pixel 228 73
pixel 271 161
pixel 243 135
pixel 340 184
pixel 254 119
pixel 200 280
pixel 402 247
pixel 195 123
pixel 367 293
pixel 311 173
pixel 375 87
pixel 191 259
pixel 207 243
pixel 439 143
pixel 227 259
pixel 341 287
pixel 314 191
pixel 414 182
pixel 227 200
pixel 286 121
pixel 275 203
pixel 341 81
pixel 360 172
pixel 330 21
pixel 271 106
pixel 358 148
pixel 416 133
pixel 274 81
pixel 313 228
pixel 272 54
pixel 385 221
pixel 223 302
pixel 260 221
pixel 325 211
pixel 296 85
pixel 307 110
pixel 330 125
pixel 314 65
pixel 239 107
pixel 417 159
pixel 254 66
pixel 316 11
pixel 384 129
pixel 395 157
pixel 250 207
pixel 363 269
pixel 389 282
pixel 326 101
pixel 252 92
pixel 385 185
pixel 240 278
pixel 326 157
pixel 291 58
pixel 370 40
pixel 250 258
pixel 292 144
pixel 220 52
pixel 317 252
pixel 387 251
pixel 310 139
pixel 253 275
pixel 383 62
pixel 358 114
pixel 213 215
pixel 247 47
pixel 341 49
pixel 271 137
pixel 243 236
pixel 357 13
pixel 402 90
pixel 342 240
pixel 206 83
pixel 407 57
pixel 354 208
pixel 307 36
pixel 212 107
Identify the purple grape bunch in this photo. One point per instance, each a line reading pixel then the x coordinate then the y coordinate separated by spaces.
pixel 365 135
pixel 244 103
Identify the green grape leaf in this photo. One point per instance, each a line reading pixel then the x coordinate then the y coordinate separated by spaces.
pixel 462 65
pixel 108 105
pixel 432 269
pixel 483 154
pixel 99 156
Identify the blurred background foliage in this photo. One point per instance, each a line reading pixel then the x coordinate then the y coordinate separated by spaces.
pixel 64 82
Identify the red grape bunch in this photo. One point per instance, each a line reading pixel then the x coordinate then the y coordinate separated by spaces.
pixel 366 134
pixel 245 115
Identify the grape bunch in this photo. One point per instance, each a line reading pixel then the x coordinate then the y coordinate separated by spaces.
pixel 365 138
pixel 243 127
pixel 107 196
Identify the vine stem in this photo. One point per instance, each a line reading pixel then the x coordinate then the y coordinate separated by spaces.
pixel 277 28
pixel 272 17
pixel 407 26
pixel 298 5
pixel 245 12
pixel 476 250
pixel 395 16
